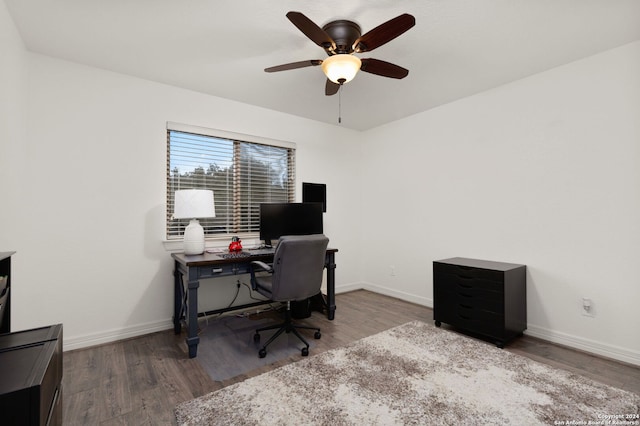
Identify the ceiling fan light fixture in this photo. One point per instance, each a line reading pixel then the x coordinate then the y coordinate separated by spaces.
pixel 341 68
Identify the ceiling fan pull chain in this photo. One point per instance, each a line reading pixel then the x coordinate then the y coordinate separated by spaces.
pixel 340 104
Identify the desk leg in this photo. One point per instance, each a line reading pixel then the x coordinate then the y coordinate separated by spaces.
pixel 178 297
pixel 331 285
pixel 192 313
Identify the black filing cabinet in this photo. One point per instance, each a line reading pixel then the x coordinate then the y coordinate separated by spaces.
pixel 483 297
pixel 31 377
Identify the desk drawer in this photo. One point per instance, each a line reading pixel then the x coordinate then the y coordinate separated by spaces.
pixel 222 270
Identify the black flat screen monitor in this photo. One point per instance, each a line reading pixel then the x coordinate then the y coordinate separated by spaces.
pixel 278 219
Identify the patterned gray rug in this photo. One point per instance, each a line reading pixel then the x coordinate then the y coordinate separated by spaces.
pixel 413 374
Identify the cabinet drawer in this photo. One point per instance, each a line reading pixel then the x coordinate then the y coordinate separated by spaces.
pixel 448 303
pixel 466 293
pixel 467 272
pixel 51 379
pixel 485 299
pixel 473 319
pixel 492 328
pixel 464 282
pixel 494 304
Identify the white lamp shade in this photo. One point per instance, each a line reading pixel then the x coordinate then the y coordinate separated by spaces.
pixel 193 203
pixel 341 68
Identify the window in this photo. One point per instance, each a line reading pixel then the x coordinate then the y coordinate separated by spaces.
pixel 243 171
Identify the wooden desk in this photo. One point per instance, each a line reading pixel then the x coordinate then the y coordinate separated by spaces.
pixel 208 265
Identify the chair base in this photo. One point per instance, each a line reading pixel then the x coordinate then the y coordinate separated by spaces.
pixel 289 327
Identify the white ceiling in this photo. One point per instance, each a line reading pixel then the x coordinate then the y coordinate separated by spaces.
pixel 221 47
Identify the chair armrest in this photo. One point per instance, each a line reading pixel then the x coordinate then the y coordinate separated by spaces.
pixel 262 265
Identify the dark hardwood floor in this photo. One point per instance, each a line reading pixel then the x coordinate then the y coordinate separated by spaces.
pixel 139 381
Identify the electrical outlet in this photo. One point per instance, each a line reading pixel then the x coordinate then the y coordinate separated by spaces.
pixel 587 307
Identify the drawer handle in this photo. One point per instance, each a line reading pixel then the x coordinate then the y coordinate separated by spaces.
pixel 465 295
pixel 464 317
pixel 466 306
pixel 216 271
pixel 463 285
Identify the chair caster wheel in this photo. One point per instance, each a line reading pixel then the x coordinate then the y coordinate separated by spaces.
pixel 256 337
pixel 317 335
pixel 262 353
pixel 305 351
pixel 438 323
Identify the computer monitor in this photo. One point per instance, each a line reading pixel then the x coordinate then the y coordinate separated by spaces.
pixel 278 219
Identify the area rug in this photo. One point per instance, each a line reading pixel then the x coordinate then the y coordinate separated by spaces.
pixel 413 374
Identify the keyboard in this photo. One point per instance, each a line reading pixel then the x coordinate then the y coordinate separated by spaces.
pixel 235 255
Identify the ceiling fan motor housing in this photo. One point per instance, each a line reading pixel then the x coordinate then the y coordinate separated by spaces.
pixel 344 33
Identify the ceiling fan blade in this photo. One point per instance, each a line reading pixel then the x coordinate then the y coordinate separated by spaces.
pixel 384 33
pixel 294 65
pixel 311 30
pixel 385 69
pixel 331 88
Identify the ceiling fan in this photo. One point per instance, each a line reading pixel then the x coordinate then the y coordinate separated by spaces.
pixel 341 39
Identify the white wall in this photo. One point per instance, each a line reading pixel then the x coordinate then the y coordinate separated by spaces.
pixel 545 172
pixel 91 208
pixel 13 110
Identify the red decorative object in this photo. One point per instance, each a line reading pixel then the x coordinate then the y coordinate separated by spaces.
pixel 236 244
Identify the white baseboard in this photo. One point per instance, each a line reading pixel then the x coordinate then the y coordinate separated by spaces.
pixel 79 342
pixel 419 300
pixel 424 301
pixel 349 287
pixel 598 348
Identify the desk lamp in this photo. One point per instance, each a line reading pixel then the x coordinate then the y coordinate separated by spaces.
pixel 193 204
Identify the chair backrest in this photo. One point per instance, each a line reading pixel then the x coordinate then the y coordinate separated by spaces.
pixel 298 263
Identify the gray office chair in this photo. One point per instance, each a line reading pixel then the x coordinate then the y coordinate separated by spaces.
pixel 296 274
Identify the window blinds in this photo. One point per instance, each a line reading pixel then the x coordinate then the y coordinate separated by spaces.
pixel 242 175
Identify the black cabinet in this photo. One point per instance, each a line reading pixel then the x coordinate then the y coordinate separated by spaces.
pixel 5 287
pixel 482 297
pixel 31 377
